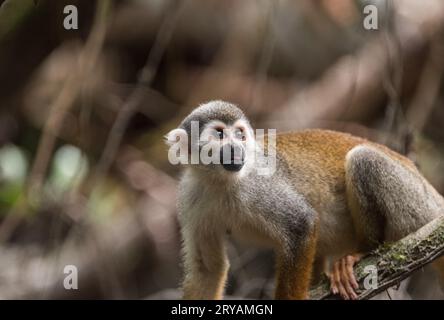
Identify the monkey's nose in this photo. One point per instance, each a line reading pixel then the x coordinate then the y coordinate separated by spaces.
pixel 232 157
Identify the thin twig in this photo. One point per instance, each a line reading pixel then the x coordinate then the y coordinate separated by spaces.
pixel 69 92
pixel 130 106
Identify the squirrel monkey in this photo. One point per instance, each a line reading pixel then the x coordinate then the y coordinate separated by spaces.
pixel 331 196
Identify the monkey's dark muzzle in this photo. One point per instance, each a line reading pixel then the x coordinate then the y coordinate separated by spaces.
pixel 232 157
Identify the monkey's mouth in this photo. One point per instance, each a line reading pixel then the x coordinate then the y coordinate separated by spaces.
pixel 232 166
pixel 232 158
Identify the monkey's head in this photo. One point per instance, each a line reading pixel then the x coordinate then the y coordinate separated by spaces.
pixel 216 137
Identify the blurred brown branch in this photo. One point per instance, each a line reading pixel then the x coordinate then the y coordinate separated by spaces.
pixel 70 91
pixel 354 86
pixel 134 100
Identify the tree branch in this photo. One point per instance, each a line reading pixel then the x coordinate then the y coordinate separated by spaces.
pixel 394 262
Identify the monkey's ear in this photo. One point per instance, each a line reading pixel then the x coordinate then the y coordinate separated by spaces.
pixel 175 136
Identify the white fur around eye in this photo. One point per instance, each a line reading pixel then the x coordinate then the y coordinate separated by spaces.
pixel 209 132
pixel 175 136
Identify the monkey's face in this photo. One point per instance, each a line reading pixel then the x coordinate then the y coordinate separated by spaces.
pixel 215 147
pixel 225 144
pixel 215 138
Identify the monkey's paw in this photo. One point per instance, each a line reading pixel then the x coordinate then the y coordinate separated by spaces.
pixel 342 277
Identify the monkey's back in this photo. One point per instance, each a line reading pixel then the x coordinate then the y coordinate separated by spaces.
pixel 322 154
pixel 314 162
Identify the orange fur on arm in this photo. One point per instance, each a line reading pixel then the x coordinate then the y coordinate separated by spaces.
pixel 294 271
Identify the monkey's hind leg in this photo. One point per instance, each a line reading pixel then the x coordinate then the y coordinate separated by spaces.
pixel 388 198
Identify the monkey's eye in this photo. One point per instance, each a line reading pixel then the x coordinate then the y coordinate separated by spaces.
pixel 219 133
pixel 239 134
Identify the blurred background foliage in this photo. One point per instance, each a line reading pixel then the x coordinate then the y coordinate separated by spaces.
pixel 84 176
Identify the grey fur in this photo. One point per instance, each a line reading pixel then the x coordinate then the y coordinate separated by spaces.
pixel 394 200
pixel 269 203
pixel 215 110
